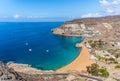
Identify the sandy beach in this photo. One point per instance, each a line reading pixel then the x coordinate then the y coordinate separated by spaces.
pixel 80 63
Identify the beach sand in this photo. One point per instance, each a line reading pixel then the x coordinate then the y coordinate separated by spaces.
pixel 80 63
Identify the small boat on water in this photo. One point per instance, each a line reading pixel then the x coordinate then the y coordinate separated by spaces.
pixel 47 50
pixel 30 50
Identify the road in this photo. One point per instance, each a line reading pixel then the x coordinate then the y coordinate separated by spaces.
pixel 81 75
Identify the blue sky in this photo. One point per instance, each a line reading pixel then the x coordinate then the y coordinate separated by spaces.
pixel 55 10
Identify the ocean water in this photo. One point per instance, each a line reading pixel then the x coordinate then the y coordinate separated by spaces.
pixel 33 43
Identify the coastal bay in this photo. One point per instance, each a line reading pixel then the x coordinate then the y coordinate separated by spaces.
pixel 34 44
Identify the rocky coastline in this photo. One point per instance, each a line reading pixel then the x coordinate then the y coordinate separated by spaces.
pixel 23 72
pixel 102 38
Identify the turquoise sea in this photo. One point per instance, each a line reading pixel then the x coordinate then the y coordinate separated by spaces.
pixel 33 43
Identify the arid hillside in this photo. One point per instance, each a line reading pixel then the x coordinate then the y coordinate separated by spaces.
pixel 107 28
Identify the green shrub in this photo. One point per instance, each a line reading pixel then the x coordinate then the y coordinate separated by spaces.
pixel 114 62
pixel 101 58
pixel 93 69
pixel 103 72
pixel 97 44
pixel 117 66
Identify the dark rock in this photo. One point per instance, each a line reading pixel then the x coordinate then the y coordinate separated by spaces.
pixel 7 74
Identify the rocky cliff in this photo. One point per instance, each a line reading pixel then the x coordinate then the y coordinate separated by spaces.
pixel 9 74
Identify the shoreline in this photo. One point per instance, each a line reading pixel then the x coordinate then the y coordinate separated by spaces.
pixel 25 68
pixel 80 63
pixel 76 65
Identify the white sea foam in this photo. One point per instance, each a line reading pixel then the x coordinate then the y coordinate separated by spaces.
pixel 10 62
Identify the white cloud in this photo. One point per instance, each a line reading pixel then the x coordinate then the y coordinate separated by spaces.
pixel 36 17
pixel 104 2
pixel 29 16
pixel 115 2
pixel 16 16
pixel 108 10
pixel 111 7
pixel 91 15
pixel 113 11
pixel 109 3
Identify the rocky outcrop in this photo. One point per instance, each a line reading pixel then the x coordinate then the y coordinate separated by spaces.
pixel 7 74
pixel 58 31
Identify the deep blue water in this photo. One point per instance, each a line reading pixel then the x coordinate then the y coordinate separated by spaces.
pixel 33 43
